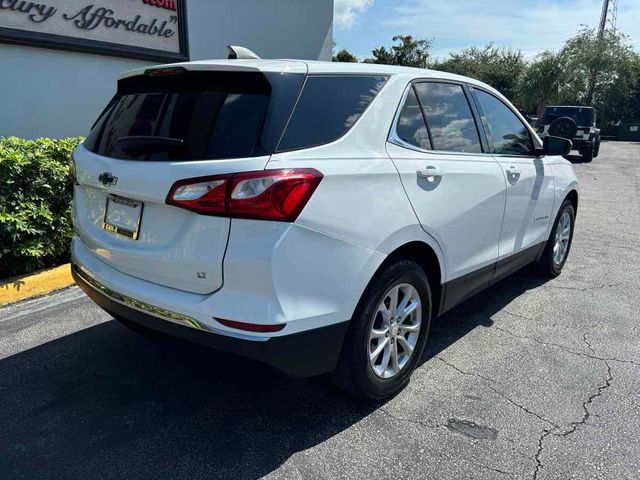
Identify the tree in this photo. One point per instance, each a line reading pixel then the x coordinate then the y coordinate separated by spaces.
pixel 499 67
pixel 602 69
pixel 545 82
pixel 591 69
pixel 408 52
pixel 596 60
pixel 344 56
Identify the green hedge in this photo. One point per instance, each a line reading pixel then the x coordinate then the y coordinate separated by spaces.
pixel 35 203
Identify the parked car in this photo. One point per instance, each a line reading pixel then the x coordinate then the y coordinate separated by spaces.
pixel 577 124
pixel 315 216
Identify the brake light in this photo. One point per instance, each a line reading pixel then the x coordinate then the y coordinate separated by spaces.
pixel 165 72
pixel 251 327
pixel 265 195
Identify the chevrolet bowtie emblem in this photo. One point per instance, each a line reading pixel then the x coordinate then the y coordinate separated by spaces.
pixel 107 179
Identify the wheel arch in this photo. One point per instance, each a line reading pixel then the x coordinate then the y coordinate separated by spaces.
pixel 424 255
pixel 572 196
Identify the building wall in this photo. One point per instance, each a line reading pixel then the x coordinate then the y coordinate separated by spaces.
pixel 54 93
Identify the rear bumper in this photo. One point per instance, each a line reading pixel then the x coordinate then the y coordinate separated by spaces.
pixel 301 354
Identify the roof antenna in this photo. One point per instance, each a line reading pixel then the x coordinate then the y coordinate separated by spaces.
pixel 236 52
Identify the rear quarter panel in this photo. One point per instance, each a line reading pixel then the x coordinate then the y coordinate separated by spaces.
pixel 359 202
pixel 361 199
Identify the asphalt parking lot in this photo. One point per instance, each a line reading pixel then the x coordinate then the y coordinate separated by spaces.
pixel 530 379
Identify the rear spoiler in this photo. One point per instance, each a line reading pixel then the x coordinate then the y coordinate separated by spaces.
pixel 240 65
pixel 236 52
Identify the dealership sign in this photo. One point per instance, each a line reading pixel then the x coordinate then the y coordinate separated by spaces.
pixel 146 29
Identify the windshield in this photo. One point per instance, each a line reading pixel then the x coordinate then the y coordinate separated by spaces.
pixel 583 116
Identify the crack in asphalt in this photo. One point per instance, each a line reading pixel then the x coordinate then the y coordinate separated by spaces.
pixel 497 470
pixel 421 423
pixel 554 428
pixel 573 426
pixel 536 458
pixel 567 349
pixel 498 392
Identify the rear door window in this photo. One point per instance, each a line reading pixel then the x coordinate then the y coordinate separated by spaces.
pixel 195 115
pixel 411 127
pixel 327 108
pixel 449 117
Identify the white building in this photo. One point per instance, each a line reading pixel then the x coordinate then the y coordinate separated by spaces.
pixel 59 59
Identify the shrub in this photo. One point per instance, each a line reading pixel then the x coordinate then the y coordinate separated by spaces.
pixel 35 203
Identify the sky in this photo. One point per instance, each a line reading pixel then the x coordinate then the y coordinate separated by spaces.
pixel 530 26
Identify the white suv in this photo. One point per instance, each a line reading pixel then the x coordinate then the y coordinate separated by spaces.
pixel 315 216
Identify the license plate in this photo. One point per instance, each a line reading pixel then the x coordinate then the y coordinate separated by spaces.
pixel 122 216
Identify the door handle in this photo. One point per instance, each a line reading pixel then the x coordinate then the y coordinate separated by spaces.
pixel 513 172
pixel 431 173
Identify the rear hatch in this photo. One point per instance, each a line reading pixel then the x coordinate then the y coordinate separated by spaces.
pixel 164 126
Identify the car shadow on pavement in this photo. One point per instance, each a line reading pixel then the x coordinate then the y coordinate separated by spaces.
pixel 107 403
pixel 478 311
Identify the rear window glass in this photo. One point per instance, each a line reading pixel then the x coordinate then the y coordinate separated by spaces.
pixel 327 108
pixel 195 115
pixel 449 117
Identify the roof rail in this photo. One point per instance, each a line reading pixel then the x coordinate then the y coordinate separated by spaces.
pixel 236 52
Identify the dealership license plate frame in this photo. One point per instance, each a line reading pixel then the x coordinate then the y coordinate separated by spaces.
pixel 130 232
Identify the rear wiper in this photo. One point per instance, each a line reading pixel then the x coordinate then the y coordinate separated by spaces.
pixel 147 144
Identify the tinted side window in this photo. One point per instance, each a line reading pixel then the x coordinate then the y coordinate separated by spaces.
pixel 327 108
pixel 508 133
pixel 411 127
pixel 449 117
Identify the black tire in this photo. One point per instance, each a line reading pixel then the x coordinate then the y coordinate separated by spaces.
pixel 596 149
pixel 587 154
pixel 564 127
pixel 354 373
pixel 546 265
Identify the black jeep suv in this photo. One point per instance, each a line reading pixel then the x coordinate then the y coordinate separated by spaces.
pixel 577 124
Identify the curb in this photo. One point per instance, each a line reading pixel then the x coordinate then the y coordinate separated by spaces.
pixel 32 285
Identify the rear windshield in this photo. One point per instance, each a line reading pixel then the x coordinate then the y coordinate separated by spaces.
pixel 207 115
pixel 583 116
pixel 195 115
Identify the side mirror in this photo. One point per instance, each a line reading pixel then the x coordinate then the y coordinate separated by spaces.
pixel 556 146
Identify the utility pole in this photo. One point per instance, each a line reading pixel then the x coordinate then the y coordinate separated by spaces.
pixel 609 15
pixel 608 19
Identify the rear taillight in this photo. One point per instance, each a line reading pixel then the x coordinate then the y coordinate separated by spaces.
pixel 266 195
pixel 252 327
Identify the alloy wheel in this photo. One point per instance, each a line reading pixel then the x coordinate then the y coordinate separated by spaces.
pixel 395 330
pixel 561 243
